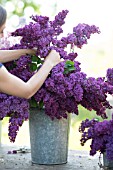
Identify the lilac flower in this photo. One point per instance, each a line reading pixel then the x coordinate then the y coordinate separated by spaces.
pixel 66 86
pixel 101 135
pixel 109 76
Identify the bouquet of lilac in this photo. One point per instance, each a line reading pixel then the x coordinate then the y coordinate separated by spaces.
pixel 66 86
pixel 101 135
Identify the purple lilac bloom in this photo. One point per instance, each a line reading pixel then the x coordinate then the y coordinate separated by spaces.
pixel 101 135
pixel 62 92
pixel 109 76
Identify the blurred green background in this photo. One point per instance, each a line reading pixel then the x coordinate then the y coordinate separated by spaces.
pixel 95 57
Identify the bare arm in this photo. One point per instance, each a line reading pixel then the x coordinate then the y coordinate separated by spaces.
pixel 12 85
pixel 9 55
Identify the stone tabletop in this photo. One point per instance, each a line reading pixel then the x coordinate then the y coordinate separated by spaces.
pixel 77 160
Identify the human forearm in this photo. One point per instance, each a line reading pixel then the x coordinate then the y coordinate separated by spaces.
pixel 36 81
pixel 13 85
pixel 9 55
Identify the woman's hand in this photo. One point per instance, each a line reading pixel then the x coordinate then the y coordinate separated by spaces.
pixel 53 58
pixel 31 51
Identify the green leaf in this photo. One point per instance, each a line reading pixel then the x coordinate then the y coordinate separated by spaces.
pixel 65 72
pixel 69 63
pixel 68 70
pixel 69 66
pixel 71 69
pixel 66 66
pixel 39 61
pixel 33 102
pixel 34 58
pixel 33 66
pixel 41 104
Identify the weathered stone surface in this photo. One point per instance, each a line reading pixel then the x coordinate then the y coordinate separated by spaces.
pixel 77 160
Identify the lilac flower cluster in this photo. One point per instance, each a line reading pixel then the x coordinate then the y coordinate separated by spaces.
pixel 45 35
pixel 65 92
pixel 101 135
pixel 16 109
pixel 95 95
pixel 109 76
pixel 66 86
